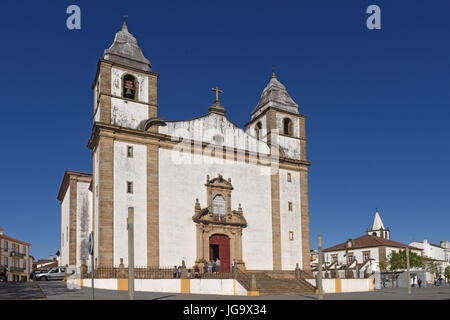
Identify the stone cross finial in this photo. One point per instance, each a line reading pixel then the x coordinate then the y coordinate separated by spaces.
pixel 124 24
pixel 273 72
pixel 217 90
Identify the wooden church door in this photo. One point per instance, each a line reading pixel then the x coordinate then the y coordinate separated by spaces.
pixel 219 247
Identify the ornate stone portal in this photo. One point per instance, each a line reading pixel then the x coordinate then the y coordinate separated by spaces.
pixel 218 221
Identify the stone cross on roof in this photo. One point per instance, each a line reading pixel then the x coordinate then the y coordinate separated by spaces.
pixel 217 90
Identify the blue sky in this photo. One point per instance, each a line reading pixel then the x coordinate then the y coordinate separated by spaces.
pixel 376 101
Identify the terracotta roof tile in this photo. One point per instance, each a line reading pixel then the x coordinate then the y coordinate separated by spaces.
pixel 367 241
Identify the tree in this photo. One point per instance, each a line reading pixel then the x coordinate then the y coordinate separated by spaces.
pixel 397 260
pixel 447 273
pixel 430 265
pixel 383 265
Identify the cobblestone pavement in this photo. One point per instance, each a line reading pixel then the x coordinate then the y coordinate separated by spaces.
pixel 20 291
pixel 57 290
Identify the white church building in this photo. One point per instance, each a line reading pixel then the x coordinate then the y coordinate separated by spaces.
pixel 200 189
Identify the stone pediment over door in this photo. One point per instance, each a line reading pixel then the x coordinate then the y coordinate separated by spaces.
pixel 218 218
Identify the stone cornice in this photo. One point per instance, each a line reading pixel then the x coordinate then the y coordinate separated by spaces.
pixel 72 175
pixel 166 141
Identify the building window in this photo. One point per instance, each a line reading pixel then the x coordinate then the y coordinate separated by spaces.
pixel 218 205
pixel 258 128
pixel 366 255
pixel 129 87
pixel 287 127
pixel 334 258
pixel 129 187
pixel 290 206
pixel 129 151
pixel 289 177
pixel 349 258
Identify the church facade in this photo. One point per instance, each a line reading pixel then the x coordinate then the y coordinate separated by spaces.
pixel 200 189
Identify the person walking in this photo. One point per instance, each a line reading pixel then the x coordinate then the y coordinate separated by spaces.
pixel 205 267
pixel 214 266
pixel 233 265
pixel 419 282
pixel 196 272
pixel 179 272
pixel 175 271
pixel 218 265
pixel 210 265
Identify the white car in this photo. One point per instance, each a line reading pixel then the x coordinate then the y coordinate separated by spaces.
pixel 56 273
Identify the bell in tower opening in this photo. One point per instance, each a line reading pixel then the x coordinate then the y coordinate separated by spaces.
pixel 129 87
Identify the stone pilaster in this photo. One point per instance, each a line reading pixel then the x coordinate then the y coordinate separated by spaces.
pixel 153 95
pixel 305 220
pixel 73 222
pixel 276 225
pixel 105 92
pixel 106 201
pixel 152 205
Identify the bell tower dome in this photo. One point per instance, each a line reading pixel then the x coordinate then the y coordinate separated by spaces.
pixel 125 87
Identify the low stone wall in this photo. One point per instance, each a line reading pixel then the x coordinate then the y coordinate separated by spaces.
pixel 344 285
pixel 197 286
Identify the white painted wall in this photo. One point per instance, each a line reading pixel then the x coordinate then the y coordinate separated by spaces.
pixel 290 147
pixel 128 114
pixel 84 222
pixel 179 186
pixel 205 128
pixel 217 286
pixel 65 216
pixel 357 253
pixel 197 286
pixel 291 250
pixel 135 170
pixel 263 132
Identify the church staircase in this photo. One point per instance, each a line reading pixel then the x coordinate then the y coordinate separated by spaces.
pixel 268 283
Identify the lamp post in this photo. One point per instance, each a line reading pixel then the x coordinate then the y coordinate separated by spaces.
pixel 408 276
pixel 319 276
pixel 130 223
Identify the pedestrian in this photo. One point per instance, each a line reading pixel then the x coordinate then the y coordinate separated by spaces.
pixel 175 271
pixel 419 282
pixel 196 272
pixel 218 265
pixel 205 267
pixel 214 266
pixel 189 273
pixel 179 272
pixel 210 265
pixel 233 265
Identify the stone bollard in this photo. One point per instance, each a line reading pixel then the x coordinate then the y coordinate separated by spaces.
pixel 122 273
pixel 253 283
pixel 184 273
pixel 297 272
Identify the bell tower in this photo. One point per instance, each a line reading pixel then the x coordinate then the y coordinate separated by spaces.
pixel 125 88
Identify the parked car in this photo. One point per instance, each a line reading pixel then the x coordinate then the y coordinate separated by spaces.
pixel 34 273
pixel 56 273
